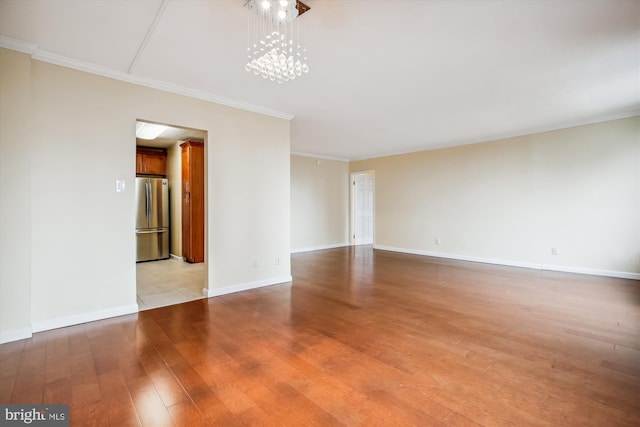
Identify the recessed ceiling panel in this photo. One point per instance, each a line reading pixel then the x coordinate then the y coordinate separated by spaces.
pixel 102 32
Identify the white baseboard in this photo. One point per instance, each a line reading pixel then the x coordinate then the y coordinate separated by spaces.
pixel 319 248
pixel 176 257
pixel 76 319
pixel 592 271
pixel 246 286
pixel 565 269
pixel 15 335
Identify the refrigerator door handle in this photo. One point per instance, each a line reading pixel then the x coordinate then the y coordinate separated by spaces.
pixel 147 190
pixel 151 231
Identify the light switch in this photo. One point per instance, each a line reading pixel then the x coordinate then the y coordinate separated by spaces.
pixel 120 186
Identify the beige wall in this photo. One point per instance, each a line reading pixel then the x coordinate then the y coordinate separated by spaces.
pixel 511 201
pixel 68 242
pixel 15 198
pixel 67 252
pixel 319 203
pixel 174 175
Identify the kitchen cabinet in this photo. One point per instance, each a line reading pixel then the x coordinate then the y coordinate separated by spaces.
pixel 151 161
pixel 192 201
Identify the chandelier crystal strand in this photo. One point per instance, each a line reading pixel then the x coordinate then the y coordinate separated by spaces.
pixel 274 44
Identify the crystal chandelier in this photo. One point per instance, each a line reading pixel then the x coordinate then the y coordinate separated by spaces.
pixel 274 50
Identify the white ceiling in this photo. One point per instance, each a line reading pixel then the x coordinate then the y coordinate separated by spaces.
pixel 173 135
pixel 387 76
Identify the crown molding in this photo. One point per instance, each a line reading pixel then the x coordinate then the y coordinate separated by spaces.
pixel 319 156
pixel 42 55
pixel 500 137
pixel 18 45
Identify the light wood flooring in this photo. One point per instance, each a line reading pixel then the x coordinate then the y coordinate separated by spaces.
pixel 361 338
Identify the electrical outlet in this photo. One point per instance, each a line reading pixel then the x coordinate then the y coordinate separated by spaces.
pixel 437 240
pixel 277 260
pixel 255 262
pixel 554 251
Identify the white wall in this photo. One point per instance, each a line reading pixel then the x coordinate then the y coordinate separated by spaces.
pixel 319 203
pixel 511 201
pixel 79 262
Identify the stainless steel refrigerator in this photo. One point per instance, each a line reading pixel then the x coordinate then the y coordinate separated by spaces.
pixel 152 219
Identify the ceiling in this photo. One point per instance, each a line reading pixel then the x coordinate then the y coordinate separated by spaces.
pixel 173 135
pixel 386 77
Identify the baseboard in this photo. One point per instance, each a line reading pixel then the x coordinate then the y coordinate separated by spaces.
pixel 507 263
pixel 176 257
pixel 247 286
pixel 592 271
pixel 319 248
pixel 76 319
pixel 15 335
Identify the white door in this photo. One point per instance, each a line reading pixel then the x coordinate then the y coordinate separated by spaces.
pixel 363 208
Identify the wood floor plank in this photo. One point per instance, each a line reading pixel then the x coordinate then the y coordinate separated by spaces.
pixel 186 414
pixel 168 387
pixel 149 406
pixel 361 337
pixel 90 415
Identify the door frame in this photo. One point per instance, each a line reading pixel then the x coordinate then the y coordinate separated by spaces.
pixel 205 290
pixel 352 204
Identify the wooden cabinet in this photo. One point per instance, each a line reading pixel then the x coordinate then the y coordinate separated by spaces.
pixel 151 161
pixel 192 201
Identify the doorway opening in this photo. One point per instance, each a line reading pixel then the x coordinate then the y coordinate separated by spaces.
pixel 165 273
pixel 362 208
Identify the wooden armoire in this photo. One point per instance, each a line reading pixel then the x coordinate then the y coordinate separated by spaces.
pixel 192 201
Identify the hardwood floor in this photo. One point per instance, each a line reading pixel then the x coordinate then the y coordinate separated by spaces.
pixel 362 337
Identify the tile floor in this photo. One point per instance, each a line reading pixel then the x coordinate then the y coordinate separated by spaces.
pixel 167 282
